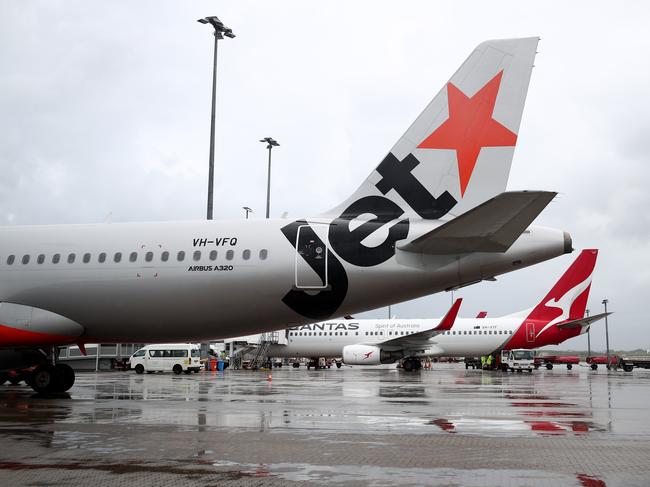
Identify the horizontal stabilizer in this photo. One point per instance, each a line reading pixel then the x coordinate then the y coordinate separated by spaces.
pixel 587 320
pixel 490 227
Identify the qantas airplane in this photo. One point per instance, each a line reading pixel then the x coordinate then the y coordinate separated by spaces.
pixel 558 317
pixel 433 215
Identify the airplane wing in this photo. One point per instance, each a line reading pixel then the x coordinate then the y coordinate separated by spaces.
pixel 490 227
pixel 587 320
pixel 420 338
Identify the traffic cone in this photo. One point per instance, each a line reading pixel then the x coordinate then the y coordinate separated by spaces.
pixel 270 377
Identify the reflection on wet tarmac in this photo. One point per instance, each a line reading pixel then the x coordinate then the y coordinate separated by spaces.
pixel 471 402
pixel 326 407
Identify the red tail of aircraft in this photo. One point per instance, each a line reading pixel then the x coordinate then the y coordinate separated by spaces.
pixel 561 314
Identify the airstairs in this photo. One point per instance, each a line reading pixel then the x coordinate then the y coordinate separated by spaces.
pixel 266 340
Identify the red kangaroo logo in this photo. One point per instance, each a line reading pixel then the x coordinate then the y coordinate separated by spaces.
pixel 367 355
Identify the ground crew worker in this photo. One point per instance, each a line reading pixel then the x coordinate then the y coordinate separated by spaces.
pixel 489 361
pixel 483 361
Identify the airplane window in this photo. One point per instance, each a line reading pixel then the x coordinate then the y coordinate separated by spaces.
pixel 336 333
pixel 213 255
pixel 10 259
pixel 117 257
pixel 197 255
pixel 180 256
pixel 148 256
pixel 40 259
pixel 164 256
pixel 346 333
pixel 55 258
pixel 71 258
pixel 246 254
pixel 101 258
pixel 264 254
pixel 86 258
pixel 25 259
pixel 133 257
pixel 366 333
pixel 320 333
pixel 356 333
pixel 381 333
pixel 230 254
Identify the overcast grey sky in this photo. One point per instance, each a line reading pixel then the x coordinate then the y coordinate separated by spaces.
pixel 104 108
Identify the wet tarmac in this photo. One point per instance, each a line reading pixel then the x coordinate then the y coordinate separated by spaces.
pixel 353 426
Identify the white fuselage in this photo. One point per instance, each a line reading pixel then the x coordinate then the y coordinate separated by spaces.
pixel 468 336
pixel 241 289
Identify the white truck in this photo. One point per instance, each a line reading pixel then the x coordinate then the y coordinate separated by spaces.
pixel 518 360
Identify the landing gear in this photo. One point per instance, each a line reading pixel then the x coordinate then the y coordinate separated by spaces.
pixel 338 365
pixel 47 378
pixel 411 364
pixel 569 366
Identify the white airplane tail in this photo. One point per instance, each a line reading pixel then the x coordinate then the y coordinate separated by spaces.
pixel 457 154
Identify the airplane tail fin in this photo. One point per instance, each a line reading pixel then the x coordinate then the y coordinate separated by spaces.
pixel 567 300
pixel 560 315
pixel 458 152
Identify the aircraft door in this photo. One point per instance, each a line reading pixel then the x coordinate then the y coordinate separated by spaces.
pixel 311 258
pixel 530 332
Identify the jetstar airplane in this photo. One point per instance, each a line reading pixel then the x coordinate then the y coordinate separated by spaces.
pixel 558 317
pixel 433 215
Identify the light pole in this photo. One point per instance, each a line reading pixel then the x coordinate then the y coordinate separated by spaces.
pixel 270 144
pixel 247 210
pixel 588 336
pixel 605 301
pixel 220 31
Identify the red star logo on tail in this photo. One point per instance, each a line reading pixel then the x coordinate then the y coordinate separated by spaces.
pixel 469 127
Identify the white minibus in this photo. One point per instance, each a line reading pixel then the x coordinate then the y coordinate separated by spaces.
pixel 177 357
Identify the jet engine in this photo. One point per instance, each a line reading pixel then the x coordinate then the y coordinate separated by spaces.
pixel 368 355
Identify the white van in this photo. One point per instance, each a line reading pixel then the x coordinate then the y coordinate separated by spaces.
pixel 177 357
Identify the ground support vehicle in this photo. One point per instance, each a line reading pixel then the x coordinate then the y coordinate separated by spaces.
pixel 596 360
pixel 549 361
pixel 518 360
pixel 472 362
pixel 628 363
pixel 175 357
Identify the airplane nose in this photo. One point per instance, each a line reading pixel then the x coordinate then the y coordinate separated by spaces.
pixel 568 243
